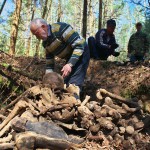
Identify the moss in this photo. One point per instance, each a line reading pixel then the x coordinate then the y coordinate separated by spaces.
pixel 106 64
pixel 141 90
pixel 2 105
pixel 1 79
pixel 127 93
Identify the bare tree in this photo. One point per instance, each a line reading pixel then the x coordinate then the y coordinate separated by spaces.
pixel 32 11
pixel 84 28
pixel 45 9
pixel 3 4
pixel 59 11
pixel 43 16
pixel 140 2
pixel 100 15
pixel 49 14
pixel 15 24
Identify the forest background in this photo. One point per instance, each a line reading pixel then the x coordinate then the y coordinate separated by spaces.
pixel 86 17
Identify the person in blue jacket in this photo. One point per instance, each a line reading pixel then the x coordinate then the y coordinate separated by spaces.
pixel 105 42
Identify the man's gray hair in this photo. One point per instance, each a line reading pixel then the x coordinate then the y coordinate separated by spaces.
pixel 38 22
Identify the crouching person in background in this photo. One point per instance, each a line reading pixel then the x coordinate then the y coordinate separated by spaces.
pixel 104 44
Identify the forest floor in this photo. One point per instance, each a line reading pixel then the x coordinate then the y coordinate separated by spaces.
pixel 131 81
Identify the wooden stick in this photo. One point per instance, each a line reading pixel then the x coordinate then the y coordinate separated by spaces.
pixel 5 53
pixel 117 97
pixel 6 139
pixel 7 145
pixel 16 100
pixel 21 72
pixel 87 98
pixel 8 98
pixel 5 129
pixel 19 106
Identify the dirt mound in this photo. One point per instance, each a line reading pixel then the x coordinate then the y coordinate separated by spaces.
pixel 130 80
pixel 105 121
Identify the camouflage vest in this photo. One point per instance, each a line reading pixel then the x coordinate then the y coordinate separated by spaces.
pixel 138 43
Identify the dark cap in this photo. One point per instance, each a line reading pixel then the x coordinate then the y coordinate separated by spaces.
pixel 111 22
pixel 138 24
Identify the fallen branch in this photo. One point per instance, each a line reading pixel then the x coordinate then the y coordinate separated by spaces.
pixel 7 145
pixel 5 129
pixel 26 140
pixel 117 97
pixel 21 72
pixel 5 53
pixel 16 100
pixel 6 139
pixel 19 106
pixel 87 98
pixel 58 107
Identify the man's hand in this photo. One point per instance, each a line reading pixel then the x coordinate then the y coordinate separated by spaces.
pixel 66 70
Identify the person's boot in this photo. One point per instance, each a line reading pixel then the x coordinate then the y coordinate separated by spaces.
pixel 116 54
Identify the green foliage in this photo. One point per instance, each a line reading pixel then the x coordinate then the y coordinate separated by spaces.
pixel 143 90
pixel 1 79
pixel 128 93
pixel 121 11
pixel 106 65
pixel 140 90
pixel 147 26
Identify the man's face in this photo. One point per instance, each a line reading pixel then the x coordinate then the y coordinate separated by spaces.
pixel 138 27
pixel 110 29
pixel 41 32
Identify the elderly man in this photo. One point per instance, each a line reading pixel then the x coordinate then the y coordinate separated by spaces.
pixel 59 39
pixel 138 46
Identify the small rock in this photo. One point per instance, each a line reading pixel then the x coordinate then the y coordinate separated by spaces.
pixel 109 138
pixel 126 144
pixel 131 141
pixel 95 128
pixel 136 137
pixel 139 125
pixel 122 130
pixel 114 131
pixel 129 129
pixel 147 106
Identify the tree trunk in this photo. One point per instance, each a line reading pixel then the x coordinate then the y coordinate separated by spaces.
pixel 43 16
pixel 30 35
pixel 84 29
pixel 49 15
pixel 59 11
pixel 14 29
pixel 105 12
pixel 44 9
pixel 100 15
pixel 3 4
pixel 90 16
pixel 79 16
pixel 29 10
